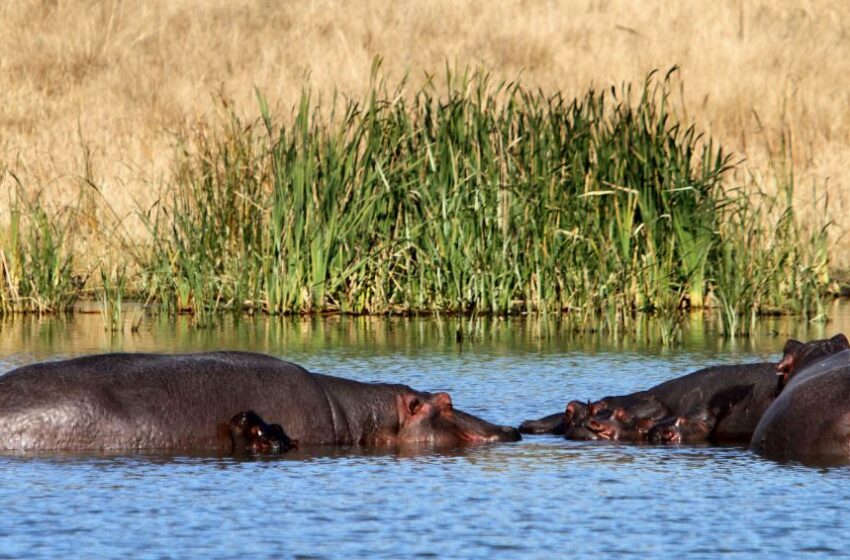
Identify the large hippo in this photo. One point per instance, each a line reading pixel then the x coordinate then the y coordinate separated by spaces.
pixel 171 402
pixel 810 420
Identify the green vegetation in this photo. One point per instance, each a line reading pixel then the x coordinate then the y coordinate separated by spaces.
pixel 35 264
pixel 486 198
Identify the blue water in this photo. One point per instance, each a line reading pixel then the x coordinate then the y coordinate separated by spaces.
pixel 538 498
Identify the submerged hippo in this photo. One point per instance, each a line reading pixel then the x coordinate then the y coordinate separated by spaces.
pixel 740 393
pixel 571 423
pixel 169 402
pixel 249 432
pixel 692 428
pixel 735 396
pixel 810 420
pixel 625 418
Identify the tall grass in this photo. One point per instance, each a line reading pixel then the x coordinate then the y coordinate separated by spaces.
pixel 484 198
pixel 767 262
pixel 36 263
pixel 481 198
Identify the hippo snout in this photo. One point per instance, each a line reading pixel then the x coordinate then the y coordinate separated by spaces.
pixel 499 433
pixel 509 434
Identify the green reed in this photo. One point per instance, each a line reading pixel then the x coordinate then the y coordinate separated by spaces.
pixel 113 285
pixel 482 198
pixel 766 262
pixel 36 266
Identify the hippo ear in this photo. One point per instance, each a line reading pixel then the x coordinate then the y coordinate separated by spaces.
pixel 840 341
pixel 786 364
pixel 407 405
pixel 791 346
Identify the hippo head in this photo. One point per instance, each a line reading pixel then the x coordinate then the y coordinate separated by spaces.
pixel 575 421
pixel 576 414
pixel 431 418
pixel 250 433
pixel 797 355
pixel 617 424
pixel 682 429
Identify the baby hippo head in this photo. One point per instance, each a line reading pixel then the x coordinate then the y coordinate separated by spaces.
pixel 249 432
pixel 694 428
pixel 618 424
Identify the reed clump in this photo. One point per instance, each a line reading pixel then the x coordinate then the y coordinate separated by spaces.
pixel 486 197
pixel 36 264
pixel 483 198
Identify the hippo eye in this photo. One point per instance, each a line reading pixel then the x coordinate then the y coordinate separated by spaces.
pixel 414 405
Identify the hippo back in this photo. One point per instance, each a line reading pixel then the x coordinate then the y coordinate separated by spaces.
pixel 155 401
pixel 810 420
pixel 739 393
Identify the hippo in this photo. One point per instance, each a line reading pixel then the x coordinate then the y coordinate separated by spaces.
pixel 619 425
pixel 250 433
pixel 129 401
pixel 743 392
pixel 625 418
pixel 551 424
pixel 799 355
pixel 690 428
pixel 571 423
pixel 810 420
pixel 738 394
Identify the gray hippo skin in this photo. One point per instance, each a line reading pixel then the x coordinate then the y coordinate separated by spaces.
pixel 171 402
pixel 739 393
pixel 810 420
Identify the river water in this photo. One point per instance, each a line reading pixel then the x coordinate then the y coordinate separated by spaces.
pixel 542 497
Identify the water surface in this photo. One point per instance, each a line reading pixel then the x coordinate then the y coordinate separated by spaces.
pixel 538 498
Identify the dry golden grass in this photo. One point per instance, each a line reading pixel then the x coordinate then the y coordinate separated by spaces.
pixel 97 87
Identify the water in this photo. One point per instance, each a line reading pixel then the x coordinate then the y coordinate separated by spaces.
pixel 538 498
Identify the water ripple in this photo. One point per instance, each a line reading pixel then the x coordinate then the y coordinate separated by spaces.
pixel 538 498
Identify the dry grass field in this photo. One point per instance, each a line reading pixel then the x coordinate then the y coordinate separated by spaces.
pixel 96 88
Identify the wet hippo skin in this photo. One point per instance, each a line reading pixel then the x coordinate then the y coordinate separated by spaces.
pixel 185 401
pixel 810 420
pixel 739 394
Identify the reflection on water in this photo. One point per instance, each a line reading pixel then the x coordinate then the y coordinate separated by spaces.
pixel 540 497
pixel 35 337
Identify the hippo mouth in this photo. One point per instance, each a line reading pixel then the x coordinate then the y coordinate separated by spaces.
pixel 503 433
